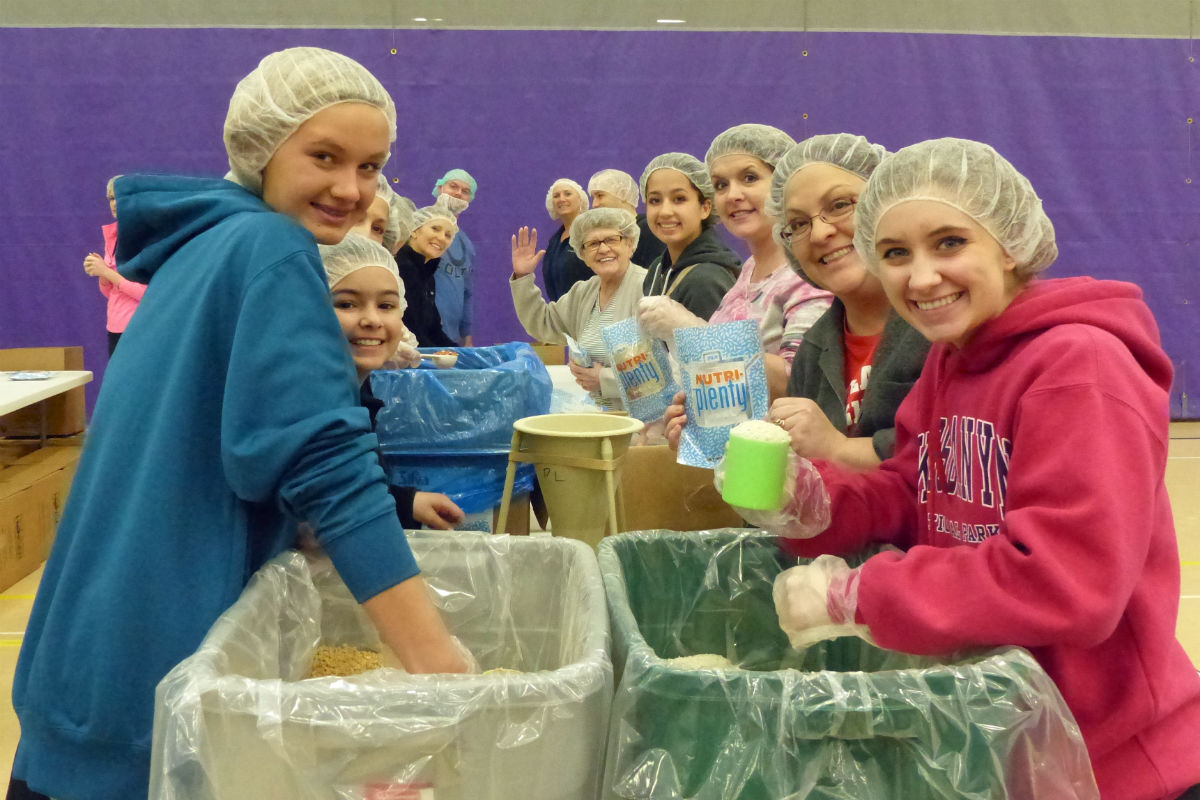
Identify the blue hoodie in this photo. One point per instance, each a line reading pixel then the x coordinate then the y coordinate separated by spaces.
pixel 230 413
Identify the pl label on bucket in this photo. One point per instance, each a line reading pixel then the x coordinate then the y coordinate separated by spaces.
pixel 726 385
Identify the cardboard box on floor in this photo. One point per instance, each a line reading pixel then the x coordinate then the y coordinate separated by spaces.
pixel 66 413
pixel 550 354
pixel 657 493
pixel 33 493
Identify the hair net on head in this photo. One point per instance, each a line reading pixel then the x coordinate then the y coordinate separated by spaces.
pixel 428 214
pixel 617 219
pixel 583 198
pixel 764 142
pixel 456 175
pixel 399 223
pixel 620 185
pixel 282 93
pixel 969 176
pixel 847 151
pixel 353 253
pixel 691 167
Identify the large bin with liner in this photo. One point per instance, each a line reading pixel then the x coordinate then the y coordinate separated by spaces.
pixel 841 719
pixel 238 719
pixel 449 430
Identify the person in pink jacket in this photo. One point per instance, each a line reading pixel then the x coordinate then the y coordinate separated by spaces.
pixel 1026 493
pixel 123 294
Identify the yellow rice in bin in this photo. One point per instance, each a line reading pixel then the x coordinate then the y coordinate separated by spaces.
pixel 342 661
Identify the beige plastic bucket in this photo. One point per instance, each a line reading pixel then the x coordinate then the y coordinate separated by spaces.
pixel 577 458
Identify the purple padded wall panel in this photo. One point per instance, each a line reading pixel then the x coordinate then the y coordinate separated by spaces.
pixel 1099 125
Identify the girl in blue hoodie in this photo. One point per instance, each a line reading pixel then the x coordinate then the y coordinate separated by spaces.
pixel 231 414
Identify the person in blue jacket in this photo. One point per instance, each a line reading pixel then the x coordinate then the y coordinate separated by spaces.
pixel 455 277
pixel 231 415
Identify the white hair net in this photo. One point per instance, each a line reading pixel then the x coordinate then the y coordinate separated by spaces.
pixel 971 177
pixel 285 90
pixel 764 142
pixel 437 211
pixel 846 151
pixel 583 198
pixel 399 223
pixel 620 185
pixel 617 219
pixel 691 167
pixel 353 253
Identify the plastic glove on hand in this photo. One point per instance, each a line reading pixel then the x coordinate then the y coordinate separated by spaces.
pixel 818 601
pixel 465 654
pixel 405 357
pixel 806 506
pixel 660 316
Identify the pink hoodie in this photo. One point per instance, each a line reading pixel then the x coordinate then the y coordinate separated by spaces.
pixel 123 298
pixel 1027 490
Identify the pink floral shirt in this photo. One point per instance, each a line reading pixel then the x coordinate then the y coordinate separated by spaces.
pixel 784 305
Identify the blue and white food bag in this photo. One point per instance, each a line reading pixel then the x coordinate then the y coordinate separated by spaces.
pixel 643 369
pixel 577 354
pixel 726 383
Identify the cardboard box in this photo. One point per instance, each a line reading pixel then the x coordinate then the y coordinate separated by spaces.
pixel 551 353
pixel 657 493
pixel 33 494
pixel 66 413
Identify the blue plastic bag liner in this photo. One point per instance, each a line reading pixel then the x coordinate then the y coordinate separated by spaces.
pixel 726 382
pixel 239 718
pixel 840 720
pixel 474 482
pixel 469 408
pixel 643 369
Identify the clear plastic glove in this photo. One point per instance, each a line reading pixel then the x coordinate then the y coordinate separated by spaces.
pixel 405 357
pixel 806 507
pixel 817 601
pixel 660 316
pixel 465 654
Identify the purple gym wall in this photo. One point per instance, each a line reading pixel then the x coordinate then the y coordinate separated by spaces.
pixel 1102 126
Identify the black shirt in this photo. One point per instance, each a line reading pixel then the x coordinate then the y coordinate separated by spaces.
pixel 420 292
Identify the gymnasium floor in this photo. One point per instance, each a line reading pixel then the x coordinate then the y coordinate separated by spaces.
pixel 1183 482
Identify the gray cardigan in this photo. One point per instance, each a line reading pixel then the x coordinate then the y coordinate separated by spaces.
pixel 548 322
pixel 819 373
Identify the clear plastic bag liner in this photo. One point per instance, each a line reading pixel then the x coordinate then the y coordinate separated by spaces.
pixel 467 409
pixel 839 720
pixel 238 720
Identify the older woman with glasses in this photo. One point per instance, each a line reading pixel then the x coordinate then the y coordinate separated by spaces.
pixel 605 238
pixel 859 359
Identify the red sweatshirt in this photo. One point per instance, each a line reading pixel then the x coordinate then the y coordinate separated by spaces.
pixel 1027 489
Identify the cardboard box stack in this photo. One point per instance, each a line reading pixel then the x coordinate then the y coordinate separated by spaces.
pixel 35 476
pixel 33 493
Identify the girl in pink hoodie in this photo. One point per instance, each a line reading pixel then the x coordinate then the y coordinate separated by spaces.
pixel 1026 492
pixel 123 294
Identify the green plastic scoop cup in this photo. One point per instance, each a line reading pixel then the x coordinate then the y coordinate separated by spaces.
pixel 756 466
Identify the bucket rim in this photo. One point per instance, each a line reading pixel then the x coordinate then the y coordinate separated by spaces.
pixel 622 426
